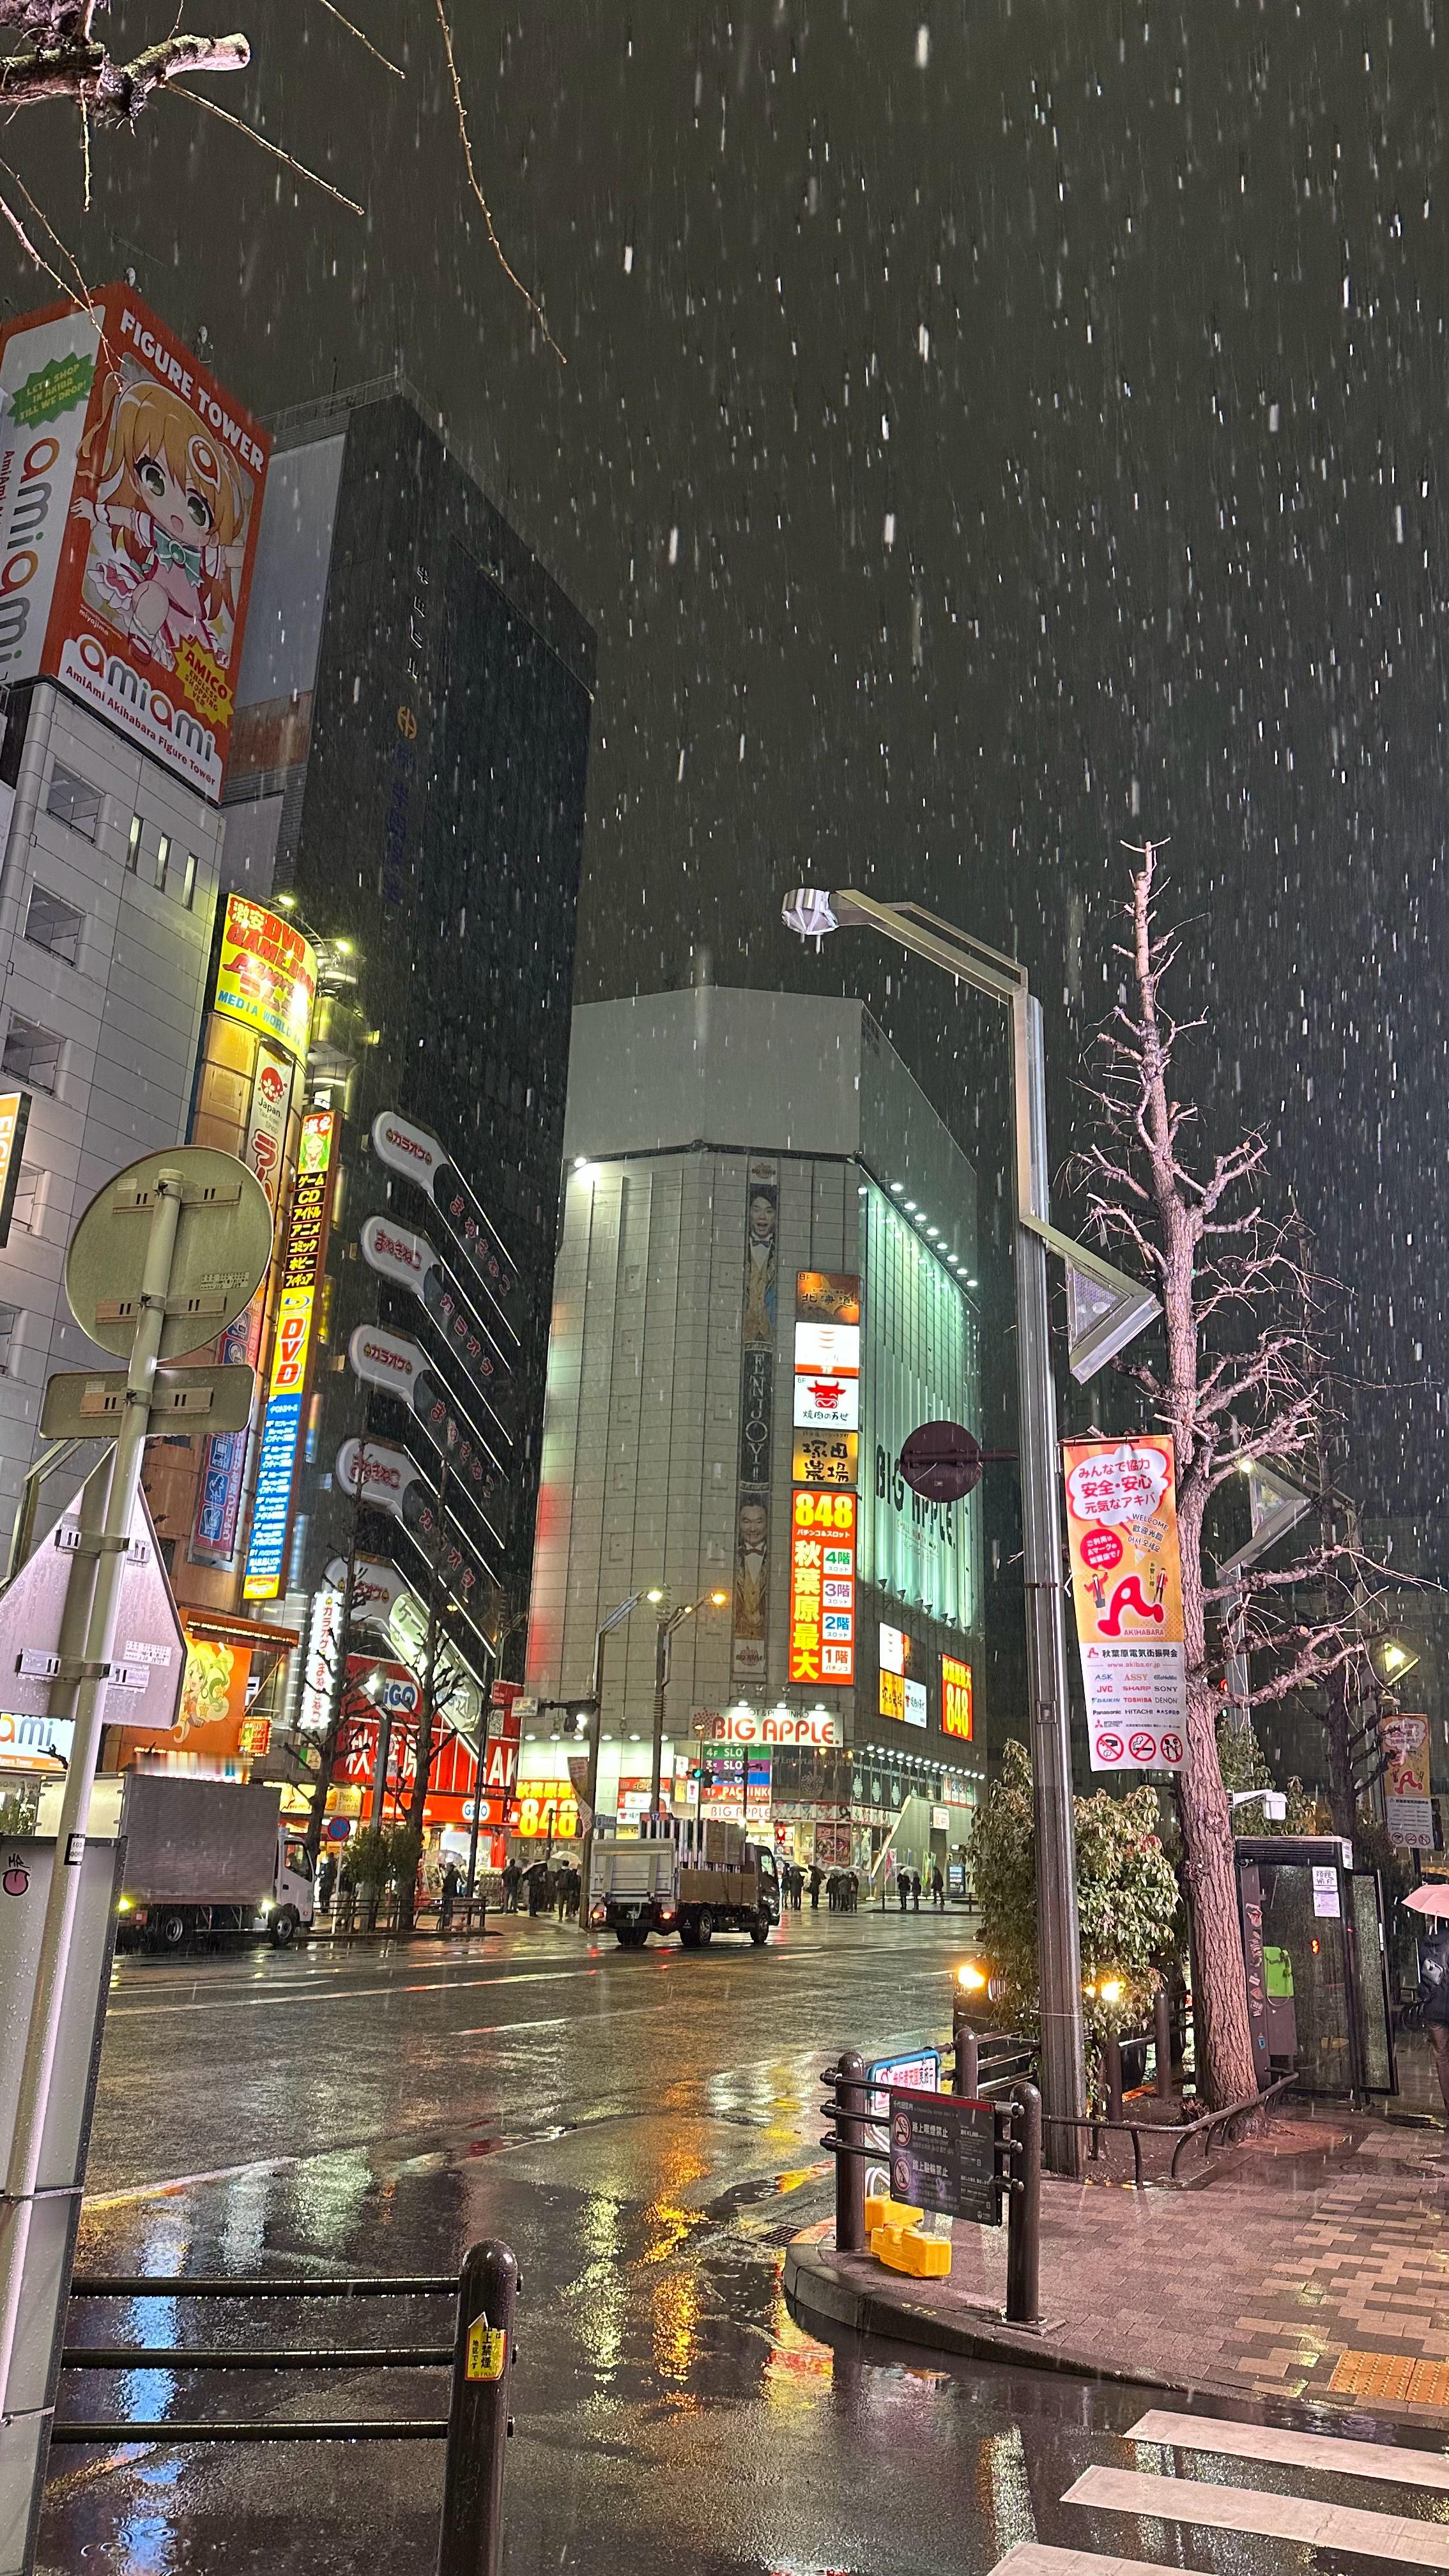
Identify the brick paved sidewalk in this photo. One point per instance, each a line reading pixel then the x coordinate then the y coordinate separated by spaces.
pixel 1315 2265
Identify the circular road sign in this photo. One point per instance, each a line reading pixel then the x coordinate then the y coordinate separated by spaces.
pixel 223 1246
pixel 941 1461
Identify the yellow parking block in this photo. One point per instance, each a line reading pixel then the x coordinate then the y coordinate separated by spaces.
pixel 882 2211
pixel 905 2249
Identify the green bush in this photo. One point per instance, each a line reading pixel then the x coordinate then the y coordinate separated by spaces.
pixel 1127 1902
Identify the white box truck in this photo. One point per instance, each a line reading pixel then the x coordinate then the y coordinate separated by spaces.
pixel 207 1857
pixel 697 1880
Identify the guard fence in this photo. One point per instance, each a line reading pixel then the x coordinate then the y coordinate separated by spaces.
pixel 853 2138
pixel 989 2063
pixel 474 2431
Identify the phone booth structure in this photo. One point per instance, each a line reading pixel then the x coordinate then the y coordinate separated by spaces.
pixel 1317 1964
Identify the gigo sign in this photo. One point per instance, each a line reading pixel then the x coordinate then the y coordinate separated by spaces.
pixel 381 1358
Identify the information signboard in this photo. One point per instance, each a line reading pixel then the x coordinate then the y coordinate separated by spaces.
pixel 943 2155
pixel 1127 1594
pixel 916 2070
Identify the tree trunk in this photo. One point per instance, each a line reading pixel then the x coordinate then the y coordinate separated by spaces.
pixel 1226 2065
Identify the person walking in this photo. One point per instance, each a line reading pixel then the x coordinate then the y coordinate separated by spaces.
pixel 510 1887
pixel 536 1877
pixel 448 1886
pixel 1434 1972
pixel 938 1888
pixel 326 1878
pixel 903 1887
pixel 816 1874
pixel 915 1891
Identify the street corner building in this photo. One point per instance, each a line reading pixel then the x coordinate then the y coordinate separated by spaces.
pixel 132 484
pixel 354 972
pixel 766 1281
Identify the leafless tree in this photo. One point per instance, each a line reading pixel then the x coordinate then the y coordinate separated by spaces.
pixel 60 56
pixel 1239 1379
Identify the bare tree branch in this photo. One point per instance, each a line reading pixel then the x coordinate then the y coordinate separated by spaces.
pixel 73 65
pixel 530 299
pixel 199 98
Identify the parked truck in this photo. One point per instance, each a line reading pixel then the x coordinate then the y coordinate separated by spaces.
pixel 696 1880
pixel 209 1857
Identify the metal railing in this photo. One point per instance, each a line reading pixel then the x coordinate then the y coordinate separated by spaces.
pixel 1017 2147
pixel 475 2429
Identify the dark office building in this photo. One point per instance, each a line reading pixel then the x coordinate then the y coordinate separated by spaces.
pixel 407 779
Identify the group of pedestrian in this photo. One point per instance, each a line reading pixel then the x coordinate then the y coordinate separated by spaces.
pixel 909 1888
pixel 842 1891
pixel 792 1885
pixel 544 1887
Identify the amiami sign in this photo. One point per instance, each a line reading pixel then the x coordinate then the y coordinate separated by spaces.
pixel 130 498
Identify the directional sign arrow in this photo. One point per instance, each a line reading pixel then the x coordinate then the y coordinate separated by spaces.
pixel 38 1646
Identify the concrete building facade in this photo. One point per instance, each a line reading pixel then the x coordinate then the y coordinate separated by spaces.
pixel 765 1283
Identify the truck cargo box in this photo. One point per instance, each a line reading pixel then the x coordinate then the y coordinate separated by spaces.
pixel 198 1842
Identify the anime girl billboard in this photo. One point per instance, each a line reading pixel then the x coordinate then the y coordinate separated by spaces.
pixel 159 513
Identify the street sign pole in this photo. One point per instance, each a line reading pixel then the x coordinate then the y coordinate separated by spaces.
pixel 185 1238
pixel 75 1806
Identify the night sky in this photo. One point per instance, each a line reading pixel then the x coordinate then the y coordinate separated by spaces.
pixel 988 432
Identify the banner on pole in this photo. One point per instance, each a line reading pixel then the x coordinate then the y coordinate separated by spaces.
pixel 1408 1805
pixel 1127 1588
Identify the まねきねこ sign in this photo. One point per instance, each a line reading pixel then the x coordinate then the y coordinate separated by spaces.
pixel 1127 1593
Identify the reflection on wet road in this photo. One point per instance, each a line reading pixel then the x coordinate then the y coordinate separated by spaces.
pixel 642 2128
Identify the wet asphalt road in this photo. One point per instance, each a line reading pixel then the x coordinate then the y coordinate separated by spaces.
pixel 642 2128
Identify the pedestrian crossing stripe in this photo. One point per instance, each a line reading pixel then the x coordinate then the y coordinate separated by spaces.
pixel 1388 2538
pixel 1232 2440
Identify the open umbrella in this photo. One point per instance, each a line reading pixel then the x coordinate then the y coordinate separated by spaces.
pixel 1431 1898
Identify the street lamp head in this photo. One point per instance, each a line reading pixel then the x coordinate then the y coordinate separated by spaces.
pixel 719 1599
pixel 655 1595
pixel 808 910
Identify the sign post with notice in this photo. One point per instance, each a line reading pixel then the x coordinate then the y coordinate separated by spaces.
pixel 1127 1594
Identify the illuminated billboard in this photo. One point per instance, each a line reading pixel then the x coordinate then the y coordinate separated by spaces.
pixel 822 1586
pixel 266 975
pixel 291 1353
pixel 957 1709
pixel 130 496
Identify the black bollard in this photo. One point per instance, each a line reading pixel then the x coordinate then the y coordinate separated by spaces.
pixel 850 2101
pixel 1023 2224
pixel 478 2425
pixel 968 2062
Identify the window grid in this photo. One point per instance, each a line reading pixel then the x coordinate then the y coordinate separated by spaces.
pixel 163 861
pixel 133 846
pixel 74 801
pixel 188 885
pixel 31 1054
pixel 53 925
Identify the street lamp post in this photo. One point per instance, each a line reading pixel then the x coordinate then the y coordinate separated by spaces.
pixel 615 1619
pixel 1059 1953
pixel 665 1626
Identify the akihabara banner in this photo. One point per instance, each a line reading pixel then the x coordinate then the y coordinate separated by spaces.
pixel 130 496
pixel 1408 1804
pixel 1127 1586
